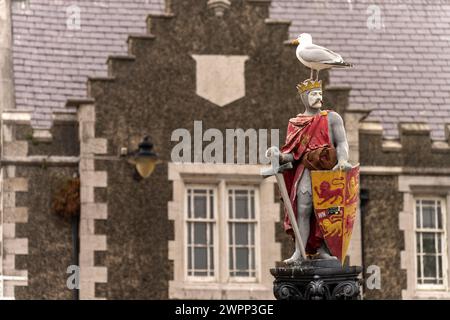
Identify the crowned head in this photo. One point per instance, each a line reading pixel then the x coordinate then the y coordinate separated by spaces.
pixel 311 93
pixel 309 85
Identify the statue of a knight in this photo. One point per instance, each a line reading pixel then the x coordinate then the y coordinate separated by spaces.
pixel 315 140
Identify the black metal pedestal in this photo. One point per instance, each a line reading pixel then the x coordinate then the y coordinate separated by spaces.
pixel 317 280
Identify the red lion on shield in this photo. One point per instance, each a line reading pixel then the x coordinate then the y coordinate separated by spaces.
pixel 326 193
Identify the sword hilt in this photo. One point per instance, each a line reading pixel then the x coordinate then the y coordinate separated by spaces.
pixel 273 171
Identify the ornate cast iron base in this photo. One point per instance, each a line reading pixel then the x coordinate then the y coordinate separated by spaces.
pixel 317 280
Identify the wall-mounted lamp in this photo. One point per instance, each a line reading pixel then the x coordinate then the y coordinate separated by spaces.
pixel 219 6
pixel 145 159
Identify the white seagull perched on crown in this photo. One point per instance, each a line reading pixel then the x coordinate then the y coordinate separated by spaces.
pixel 316 57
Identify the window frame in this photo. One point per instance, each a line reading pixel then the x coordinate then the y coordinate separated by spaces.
pixel 256 221
pixel 221 224
pixel 193 278
pixel 432 287
pixel 187 174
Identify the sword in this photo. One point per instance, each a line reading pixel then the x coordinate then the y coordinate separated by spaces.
pixel 276 170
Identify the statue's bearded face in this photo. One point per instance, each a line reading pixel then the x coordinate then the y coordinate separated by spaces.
pixel 315 99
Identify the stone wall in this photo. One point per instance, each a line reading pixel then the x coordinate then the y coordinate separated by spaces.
pixel 382 239
pixel 384 162
pixel 37 243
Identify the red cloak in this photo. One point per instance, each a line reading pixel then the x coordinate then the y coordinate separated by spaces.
pixel 304 134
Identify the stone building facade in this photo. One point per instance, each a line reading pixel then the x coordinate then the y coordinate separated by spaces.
pixel 195 70
pixel 406 186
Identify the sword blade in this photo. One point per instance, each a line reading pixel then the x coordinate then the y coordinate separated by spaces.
pixel 290 210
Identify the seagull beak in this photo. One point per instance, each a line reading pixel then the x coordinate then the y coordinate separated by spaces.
pixel 295 42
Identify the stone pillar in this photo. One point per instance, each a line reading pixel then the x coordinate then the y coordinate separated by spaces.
pixel 6 62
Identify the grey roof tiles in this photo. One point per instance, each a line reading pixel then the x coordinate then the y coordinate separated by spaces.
pixel 401 56
pixel 402 63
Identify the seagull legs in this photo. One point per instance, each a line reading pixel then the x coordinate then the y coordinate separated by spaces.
pixel 311 75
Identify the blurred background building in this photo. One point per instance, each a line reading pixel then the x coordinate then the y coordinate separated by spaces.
pixel 83 80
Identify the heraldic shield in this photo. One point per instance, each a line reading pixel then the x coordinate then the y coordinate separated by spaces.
pixel 335 196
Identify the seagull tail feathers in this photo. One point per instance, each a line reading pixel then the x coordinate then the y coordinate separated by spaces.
pixel 341 64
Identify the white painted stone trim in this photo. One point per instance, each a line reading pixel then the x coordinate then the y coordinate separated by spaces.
pixel 220 79
pixel 16 117
pixel 90 210
pixel 416 186
pixel 270 250
pixel 438 146
pixel 371 128
pixel 10 245
pixel 394 170
pixel 64 116
pixel 352 126
pixel 414 127
pixel 42 135
pixel 391 146
pixel 53 160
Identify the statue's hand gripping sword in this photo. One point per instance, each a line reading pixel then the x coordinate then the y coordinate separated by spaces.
pixel 273 153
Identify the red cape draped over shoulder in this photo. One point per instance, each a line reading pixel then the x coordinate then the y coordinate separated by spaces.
pixel 304 133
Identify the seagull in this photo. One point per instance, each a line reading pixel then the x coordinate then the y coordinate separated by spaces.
pixel 316 57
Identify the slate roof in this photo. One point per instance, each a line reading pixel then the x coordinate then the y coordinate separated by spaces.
pixel 52 62
pixel 402 64
pixel 402 68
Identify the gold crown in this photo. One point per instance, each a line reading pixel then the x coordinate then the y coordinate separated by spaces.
pixel 309 85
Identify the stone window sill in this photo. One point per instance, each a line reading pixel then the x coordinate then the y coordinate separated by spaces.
pixel 187 290
pixel 432 294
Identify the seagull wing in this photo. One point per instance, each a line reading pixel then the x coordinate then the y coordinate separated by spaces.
pixel 314 53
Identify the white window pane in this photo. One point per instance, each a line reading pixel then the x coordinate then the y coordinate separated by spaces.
pixel 189 204
pixel 241 206
pixel 252 259
pixel 231 260
pixel 419 242
pixel 211 260
pixel 211 205
pixel 211 234
pixel 429 281
pixel 428 217
pixel 439 243
pixel 189 235
pixel 230 206
pixel 189 254
pixel 419 269
pixel 429 266
pixel 429 244
pixel 242 262
pixel 439 215
pixel 200 207
pixel 241 232
pixel 200 233
pixel 252 207
pixel 418 214
pixel 200 258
